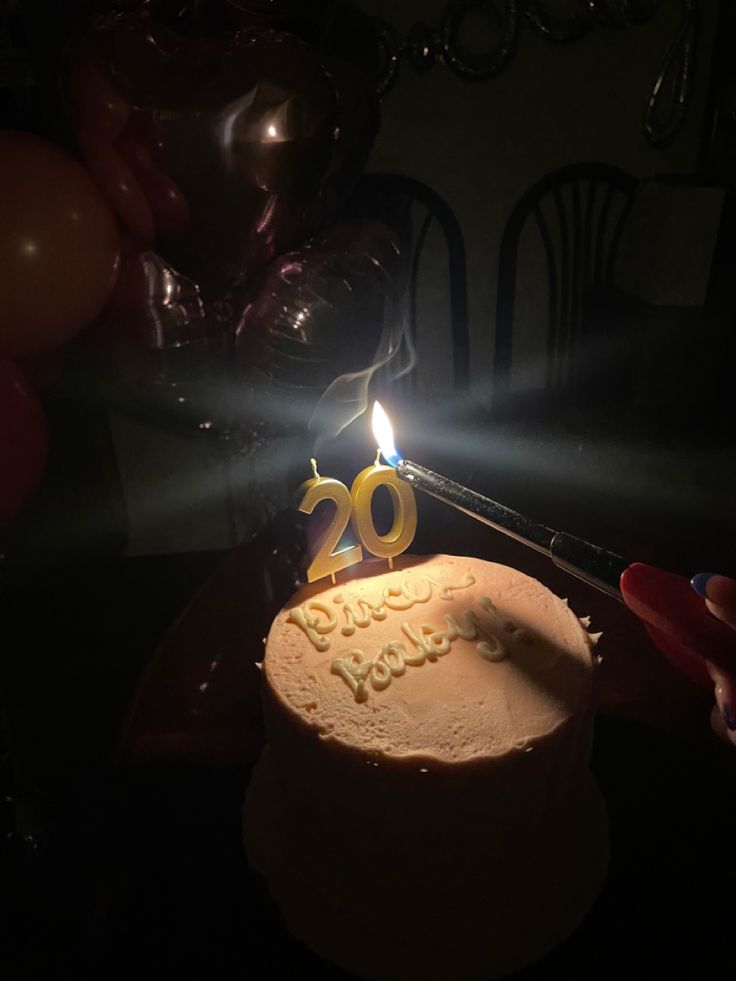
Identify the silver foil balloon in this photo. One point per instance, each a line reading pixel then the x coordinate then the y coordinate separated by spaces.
pixel 174 313
pixel 323 323
pixel 321 308
pixel 169 344
pixel 224 149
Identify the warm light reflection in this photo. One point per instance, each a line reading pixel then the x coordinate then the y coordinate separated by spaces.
pixel 383 431
pixel 275 127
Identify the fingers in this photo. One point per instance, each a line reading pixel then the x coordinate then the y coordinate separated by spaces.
pixel 723 717
pixel 719 727
pixel 684 629
pixel 724 613
pixel 719 593
pixel 720 598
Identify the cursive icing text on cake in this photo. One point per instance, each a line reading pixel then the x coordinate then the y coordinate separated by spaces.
pixel 317 619
pixel 427 643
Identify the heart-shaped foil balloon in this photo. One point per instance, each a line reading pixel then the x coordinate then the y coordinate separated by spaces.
pixel 322 324
pixel 223 150
pixel 321 308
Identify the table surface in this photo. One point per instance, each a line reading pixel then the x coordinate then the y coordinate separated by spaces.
pixel 143 861
pixel 131 751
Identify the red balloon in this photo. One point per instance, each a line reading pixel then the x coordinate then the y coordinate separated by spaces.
pixel 42 370
pixel 23 441
pixel 59 246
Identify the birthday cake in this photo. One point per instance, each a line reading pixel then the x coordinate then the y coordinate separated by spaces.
pixel 423 808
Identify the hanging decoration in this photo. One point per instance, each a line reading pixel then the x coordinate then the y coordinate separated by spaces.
pixel 558 21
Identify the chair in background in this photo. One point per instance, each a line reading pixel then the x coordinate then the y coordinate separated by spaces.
pixel 578 213
pixel 412 209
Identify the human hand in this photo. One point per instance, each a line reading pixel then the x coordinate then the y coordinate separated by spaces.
pixel 693 623
pixel 719 593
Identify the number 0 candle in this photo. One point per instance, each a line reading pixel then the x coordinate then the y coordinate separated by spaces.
pixel 404 526
pixel 357 504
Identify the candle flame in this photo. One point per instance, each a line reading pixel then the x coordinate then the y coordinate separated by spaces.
pixel 383 431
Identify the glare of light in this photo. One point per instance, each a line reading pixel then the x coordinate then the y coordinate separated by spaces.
pixel 169 287
pixel 272 131
pixel 384 434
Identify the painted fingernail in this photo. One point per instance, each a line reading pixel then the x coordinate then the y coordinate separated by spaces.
pixel 699 583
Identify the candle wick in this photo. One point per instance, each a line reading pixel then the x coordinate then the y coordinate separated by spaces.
pixel 314 467
pixel 378 457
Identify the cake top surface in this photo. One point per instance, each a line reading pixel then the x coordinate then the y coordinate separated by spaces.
pixel 445 657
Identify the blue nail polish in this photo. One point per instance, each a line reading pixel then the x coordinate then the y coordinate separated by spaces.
pixel 728 719
pixel 699 583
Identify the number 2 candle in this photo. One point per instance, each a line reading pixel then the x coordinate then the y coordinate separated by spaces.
pixel 356 504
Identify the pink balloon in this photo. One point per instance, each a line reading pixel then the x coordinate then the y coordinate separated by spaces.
pixel 142 127
pixel 254 138
pixel 165 199
pixel 98 106
pixel 169 206
pixel 136 154
pixel 118 185
pixel 23 441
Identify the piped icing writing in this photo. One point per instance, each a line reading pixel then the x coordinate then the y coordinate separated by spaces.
pixel 317 619
pixel 427 644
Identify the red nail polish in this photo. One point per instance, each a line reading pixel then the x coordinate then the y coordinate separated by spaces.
pixel 667 603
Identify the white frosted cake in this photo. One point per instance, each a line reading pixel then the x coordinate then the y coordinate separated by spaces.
pixel 423 808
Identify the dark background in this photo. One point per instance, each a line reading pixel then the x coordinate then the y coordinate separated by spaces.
pixel 123 853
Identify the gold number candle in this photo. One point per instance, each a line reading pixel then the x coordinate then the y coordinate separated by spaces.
pixel 326 561
pixel 404 526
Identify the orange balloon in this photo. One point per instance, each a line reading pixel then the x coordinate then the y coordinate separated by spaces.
pixel 59 246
